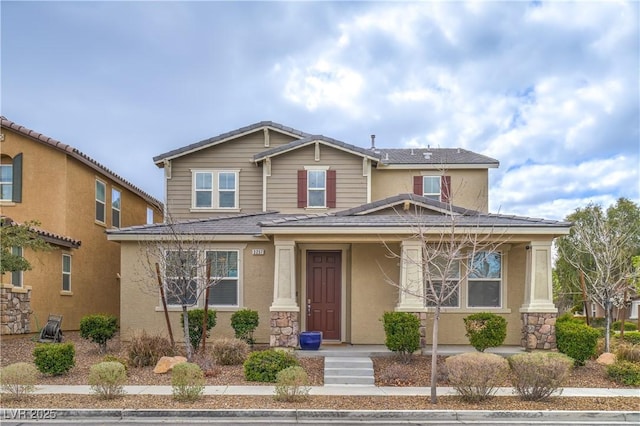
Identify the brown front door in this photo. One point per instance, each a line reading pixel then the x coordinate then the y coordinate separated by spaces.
pixel 324 288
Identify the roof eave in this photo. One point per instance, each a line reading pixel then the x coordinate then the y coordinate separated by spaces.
pixel 439 166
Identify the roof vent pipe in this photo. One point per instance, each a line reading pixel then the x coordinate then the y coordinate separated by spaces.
pixel 373 141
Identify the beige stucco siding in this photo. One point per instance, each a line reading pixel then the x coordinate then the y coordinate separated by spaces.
pixel 469 188
pixel 236 154
pixel 282 185
pixel 141 306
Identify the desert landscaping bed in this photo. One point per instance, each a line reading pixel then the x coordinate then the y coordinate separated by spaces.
pixel 388 371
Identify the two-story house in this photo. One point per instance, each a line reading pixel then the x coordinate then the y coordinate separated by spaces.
pixel 75 199
pixel 309 226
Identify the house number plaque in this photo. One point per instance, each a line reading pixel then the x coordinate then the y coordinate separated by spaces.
pixel 257 252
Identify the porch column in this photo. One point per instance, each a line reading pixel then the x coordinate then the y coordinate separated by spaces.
pixel 285 321
pixel 538 312
pixel 411 297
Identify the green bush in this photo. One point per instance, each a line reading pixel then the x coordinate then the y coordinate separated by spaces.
pixel 107 379
pixel 187 382
pixel 263 366
pixel 113 358
pixel 628 326
pixel 145 350
pixel 18 379
pixel 625 372
pixel 597 322
pixel 229 351
pixel 292 385
pixel 244 323
pixel 476 375
pixel 536 375
pixel 632 337
pixel 98 329
pixel 567 316
pixel 196 318
pixel 627 352
pixel 485 330
pixel 402 331
pixel 54 358
pixel 576 340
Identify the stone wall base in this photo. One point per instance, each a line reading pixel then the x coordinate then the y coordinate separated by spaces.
pixel 422 316
pixel 285 329
pixel 539 331
pixel 15 310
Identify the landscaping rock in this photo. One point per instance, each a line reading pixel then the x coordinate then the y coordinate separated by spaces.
pixel 166 363
pixel 606 358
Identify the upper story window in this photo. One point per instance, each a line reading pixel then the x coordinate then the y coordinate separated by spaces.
pixel 317 187
pixel 101 201
pixel 66 272
pixel 434 187
pixel 149 215
pixel 484 285
pixel 213 189
pixel 116 202
pixel 6 181
pixel 16 276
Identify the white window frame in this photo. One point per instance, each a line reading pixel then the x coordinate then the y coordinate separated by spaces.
pixel 17 276
pixel 228 277
pixel 432 195
pixel 6 183
pixel 500 281
pixel 168 278
pixel 215 189
pixel 102 202
pixel 430 304
pixel 115 209
pixel 66 273
pixel 149 215
pixel 322 189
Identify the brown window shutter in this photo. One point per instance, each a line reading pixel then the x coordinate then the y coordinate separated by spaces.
pixel 445 189
pixel 302 189
pixel 331 188
pixel 417 185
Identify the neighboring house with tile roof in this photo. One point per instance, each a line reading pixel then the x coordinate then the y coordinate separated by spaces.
pixel 307 223
pixel 75 199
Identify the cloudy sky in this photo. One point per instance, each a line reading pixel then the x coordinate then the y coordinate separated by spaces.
pixel 551 89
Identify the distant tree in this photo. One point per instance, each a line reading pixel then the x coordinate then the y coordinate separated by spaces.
pixel 23 235
pixel 601 246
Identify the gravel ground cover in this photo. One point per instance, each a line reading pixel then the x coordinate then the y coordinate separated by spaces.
pixel 388 371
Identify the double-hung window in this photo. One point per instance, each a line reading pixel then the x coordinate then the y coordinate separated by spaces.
pixel 116 203
pixel 16 276
pixel 484 283
pixel 66 272
pixel 225 289
pixel 101 201
pixel 447 271
pixel 431 187
pixel 6 182
pixel 317 188
pixel 181 277
pixel 215 189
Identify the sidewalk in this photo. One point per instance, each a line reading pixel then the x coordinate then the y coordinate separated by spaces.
pixel 354 390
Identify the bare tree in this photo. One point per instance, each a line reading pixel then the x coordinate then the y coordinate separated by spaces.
pixel 189 269
pixel 453 249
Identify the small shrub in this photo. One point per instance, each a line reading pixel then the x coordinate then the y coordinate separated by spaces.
pixel 145 350
pixel 632 337
pixel 18 379
pixel 625 372
pixel 54 358
pixel 113 358
pixel 475 376
pixel 292 385
pixel 597 322
pixel 567 317
pixel 576 340
pixel 229 351
pixel 537 375
pixel 98 329
pixel 263 366
pixel 187 382
pixel 244 323
pixel 395 375
pixel 196 318
pixel 402 331
pixel 107 379
pixel 628 326
pixel 627 352
pixel 485 330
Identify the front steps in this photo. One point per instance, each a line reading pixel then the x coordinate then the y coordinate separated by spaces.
pixel 348 370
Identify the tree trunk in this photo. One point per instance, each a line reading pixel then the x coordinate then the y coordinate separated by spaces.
pixel 434 357
pixel 607 325
pixel 185 331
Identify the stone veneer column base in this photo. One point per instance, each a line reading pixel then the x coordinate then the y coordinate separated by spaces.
pixel 285 329
pixel 422 316
pixel 539 331
pixel 15 310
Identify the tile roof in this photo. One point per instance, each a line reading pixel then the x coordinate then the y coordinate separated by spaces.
pixel 224 136
pixel 48 236
pixel 83 158
pixel 310 140
pixel 400 199
pixel 433 156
